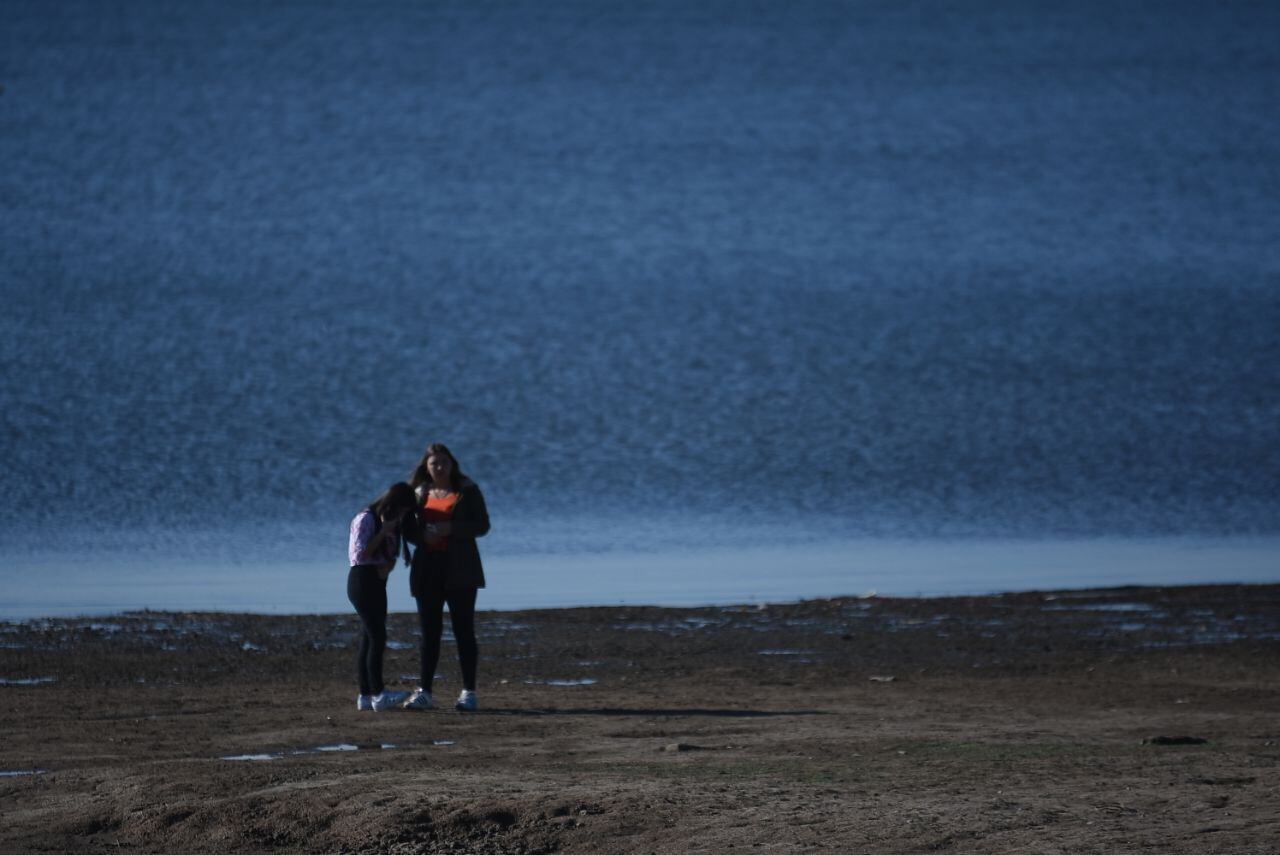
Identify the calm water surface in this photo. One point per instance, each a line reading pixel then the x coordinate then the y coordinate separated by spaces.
pixel 670 278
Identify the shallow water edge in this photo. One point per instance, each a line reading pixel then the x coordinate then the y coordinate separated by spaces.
pixel 61 586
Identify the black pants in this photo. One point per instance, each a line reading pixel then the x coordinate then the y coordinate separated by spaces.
pixel 462 615
pixel 368 593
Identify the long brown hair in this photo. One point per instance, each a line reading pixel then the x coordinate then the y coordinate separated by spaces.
pixel 397 501
pixel 421 476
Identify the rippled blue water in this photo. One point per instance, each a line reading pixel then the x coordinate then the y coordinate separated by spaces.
pixel 662 274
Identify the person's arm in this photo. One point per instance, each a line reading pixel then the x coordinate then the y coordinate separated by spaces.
pixel 474 521
pixel 358 545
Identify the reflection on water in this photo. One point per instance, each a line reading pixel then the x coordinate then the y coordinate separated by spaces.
pixel 26 681
pixel 252 757
pixel 328 749
pixel 1099 607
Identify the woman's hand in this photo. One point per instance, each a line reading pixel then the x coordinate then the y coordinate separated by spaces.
pixel 384 570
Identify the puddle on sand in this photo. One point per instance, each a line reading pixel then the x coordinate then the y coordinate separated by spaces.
pixel 668 627
pixel 799 657
pixel 578 681
pixel 1101 607
pixel 412 679
pixel 326 749
pixel 699 622
pixel 19 773
pixel 26 681
pixel 252 757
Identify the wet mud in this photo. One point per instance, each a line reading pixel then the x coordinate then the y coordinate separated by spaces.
pixel 1112 720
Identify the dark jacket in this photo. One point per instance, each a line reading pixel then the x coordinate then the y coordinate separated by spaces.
pixel 462 568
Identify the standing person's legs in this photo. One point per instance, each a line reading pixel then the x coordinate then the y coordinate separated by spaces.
pixel 431 625
pixel 368 594
pixel 462 616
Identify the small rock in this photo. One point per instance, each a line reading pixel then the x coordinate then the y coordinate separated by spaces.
pixel 882 679
pixel 681 746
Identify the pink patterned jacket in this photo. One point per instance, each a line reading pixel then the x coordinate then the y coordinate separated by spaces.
pixel 362 531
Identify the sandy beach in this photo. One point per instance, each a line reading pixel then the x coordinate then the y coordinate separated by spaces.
pixel 1139 719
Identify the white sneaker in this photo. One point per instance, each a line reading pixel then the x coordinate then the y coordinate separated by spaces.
pixel 388 700
pixel 364 702
pixel 466 701
pixel 419 700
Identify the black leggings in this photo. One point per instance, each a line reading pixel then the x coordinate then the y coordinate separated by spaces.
pixel 462 616
pixel 368 593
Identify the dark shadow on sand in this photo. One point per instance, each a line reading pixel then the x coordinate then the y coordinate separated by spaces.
pixel 650 712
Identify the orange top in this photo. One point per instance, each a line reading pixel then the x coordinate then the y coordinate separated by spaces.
pixel 439 510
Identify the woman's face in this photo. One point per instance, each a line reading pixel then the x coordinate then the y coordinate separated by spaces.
pixel 440 467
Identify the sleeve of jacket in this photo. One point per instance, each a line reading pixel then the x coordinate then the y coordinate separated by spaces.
pixel 361 534
pixel 475 521
pixel 411 529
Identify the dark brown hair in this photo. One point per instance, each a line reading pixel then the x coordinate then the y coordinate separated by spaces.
pixel 395 501
pixel 421 476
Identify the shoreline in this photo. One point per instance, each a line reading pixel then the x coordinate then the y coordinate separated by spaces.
pixel 1049 595
pixel 1002 723
pixel 68 586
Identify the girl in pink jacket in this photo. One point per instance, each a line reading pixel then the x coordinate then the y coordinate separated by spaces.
pixel 376 541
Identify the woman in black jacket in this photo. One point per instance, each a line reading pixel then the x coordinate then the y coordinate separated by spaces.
pixel 447 568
